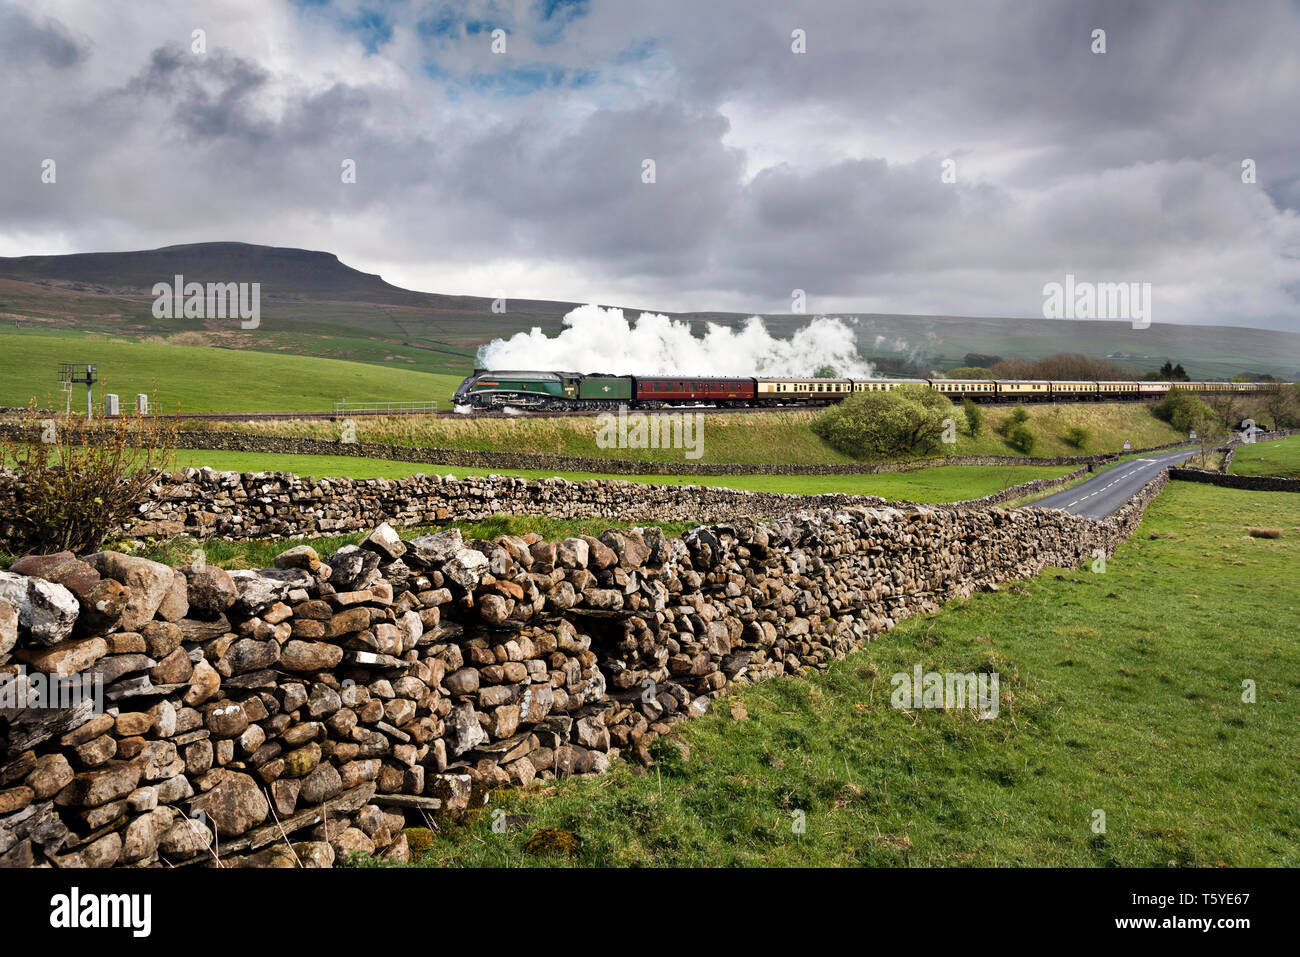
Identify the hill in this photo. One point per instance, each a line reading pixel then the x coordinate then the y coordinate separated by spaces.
pixel 314 304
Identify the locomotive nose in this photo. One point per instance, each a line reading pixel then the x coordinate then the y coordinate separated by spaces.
pixel 461 395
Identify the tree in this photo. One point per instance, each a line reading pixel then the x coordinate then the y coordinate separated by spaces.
pixel 1180 375
pixel 1061 367
pixel 969 372
pixel 903 422
pixel 826 372
pixel 1167 370
pixel 1283 406
pixel 1209 428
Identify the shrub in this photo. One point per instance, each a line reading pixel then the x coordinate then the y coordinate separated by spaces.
pixel 974 417
pixel 1022 439
pixel 1182 409
pixel 1019 416
pixel 907 421
pixel 79 478
pixel 1078 436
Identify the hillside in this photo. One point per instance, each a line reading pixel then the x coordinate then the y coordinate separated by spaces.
pixel 188 379
pixel 314 304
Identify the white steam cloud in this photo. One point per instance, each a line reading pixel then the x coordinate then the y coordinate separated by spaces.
pixel 602 340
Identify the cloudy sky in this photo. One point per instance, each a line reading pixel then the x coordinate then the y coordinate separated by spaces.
pixel 521 172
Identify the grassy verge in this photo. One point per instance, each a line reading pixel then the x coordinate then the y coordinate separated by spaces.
pixel 945 484
pixel 1121 692
pixel 1281 457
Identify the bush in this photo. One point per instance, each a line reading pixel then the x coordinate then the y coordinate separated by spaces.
pixel 1019 416
pixel 1078 436
pixel 1022 439
pixel 1182 409
pixel 80 479
pixel 907 421
pixel 974 417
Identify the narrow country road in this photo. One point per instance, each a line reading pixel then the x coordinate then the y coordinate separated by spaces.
pixel 1109 489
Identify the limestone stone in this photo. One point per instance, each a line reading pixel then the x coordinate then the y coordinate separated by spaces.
pixel 149 582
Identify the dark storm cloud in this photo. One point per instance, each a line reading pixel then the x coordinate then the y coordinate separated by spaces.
pixel 24 40
pixel 774 170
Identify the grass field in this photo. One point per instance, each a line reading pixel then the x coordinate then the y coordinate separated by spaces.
pixel 1268 458
pixel 740 438
pixel 945 484
pixel 1121 692
pixel 193 379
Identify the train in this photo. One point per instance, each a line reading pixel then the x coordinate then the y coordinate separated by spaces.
pixel 574 391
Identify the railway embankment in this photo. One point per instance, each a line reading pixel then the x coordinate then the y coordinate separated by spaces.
pixel 541 461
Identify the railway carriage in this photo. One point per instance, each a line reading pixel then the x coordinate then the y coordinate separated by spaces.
pixel 1153 390
pixel 1024 390
pixel 652 391
pixel 1117 390
pixel 1074 390
pixel 979 390
pixel 800 391
pixel 885 385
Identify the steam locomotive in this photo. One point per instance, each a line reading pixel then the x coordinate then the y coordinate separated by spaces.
pixel 572 391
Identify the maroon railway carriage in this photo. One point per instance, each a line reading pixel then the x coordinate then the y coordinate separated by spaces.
pixel 684 390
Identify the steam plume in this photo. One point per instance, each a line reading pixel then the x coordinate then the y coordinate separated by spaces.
pixel 602 340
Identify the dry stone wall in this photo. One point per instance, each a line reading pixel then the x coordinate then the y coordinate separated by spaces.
pixel 1255 483
pixel 296 714
pixel 257 505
